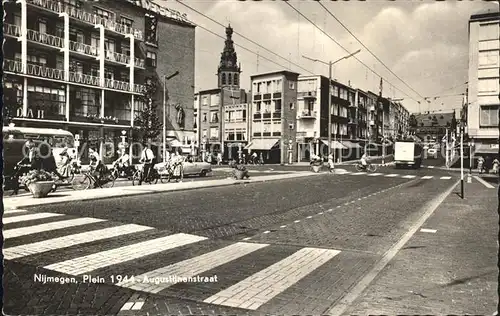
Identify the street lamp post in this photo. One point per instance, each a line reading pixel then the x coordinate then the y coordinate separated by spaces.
pixel 471 160
pixel 330 64
pixel 165 98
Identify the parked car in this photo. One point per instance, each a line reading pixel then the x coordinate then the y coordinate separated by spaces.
pixel 191 168
pixel 432 153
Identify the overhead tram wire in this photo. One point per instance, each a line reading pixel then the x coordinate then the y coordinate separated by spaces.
pixel 244 37
pixel 345 49
pixel 362 44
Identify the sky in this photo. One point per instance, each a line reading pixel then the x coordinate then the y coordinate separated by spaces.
pixel 424 43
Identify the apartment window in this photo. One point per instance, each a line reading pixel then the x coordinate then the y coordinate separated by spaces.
pixel 223 78
pixel 229 81
pixel 267 106
pixel 151 59
pixel 73 3
pixel 103 14
pixel 204 117
pixel 50 99
pixel 109 46
pixel 125 76
pixel 214 118
pixel 214 99
pixel 86 101
pixel 268 87
pixel 125 49
pixel 291 85
pixel 126 21
pixel 94 40
pixel 236 79
pixel 94 71
pixel 42 26
pixel 488 32
pixel 488 116
pixel 488 58
pixel 489 85
pixel 279 86
pixel 335 91
pixel 259 87
pixel 277 105
pixel 204 100
pixel 258 106
pixel 214 132
pixel 205 132
pixel 109 73
pixel 292 105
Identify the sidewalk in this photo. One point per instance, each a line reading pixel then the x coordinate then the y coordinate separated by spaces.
pixel 449 269
pixel 95 194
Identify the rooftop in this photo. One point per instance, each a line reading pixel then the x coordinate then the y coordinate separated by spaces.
pixel 282 72
pixel 485 15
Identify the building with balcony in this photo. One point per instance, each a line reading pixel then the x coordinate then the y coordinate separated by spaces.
pixel 373 117
pixel 483 88
pixel 273 115
pixel 235 129
pixel 81 65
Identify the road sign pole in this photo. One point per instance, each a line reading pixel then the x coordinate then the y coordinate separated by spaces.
pixel 462 161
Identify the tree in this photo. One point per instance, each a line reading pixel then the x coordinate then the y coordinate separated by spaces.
pixel 147 122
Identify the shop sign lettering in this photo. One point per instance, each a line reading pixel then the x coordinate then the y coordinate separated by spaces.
pixel 166 12
pixel 37 114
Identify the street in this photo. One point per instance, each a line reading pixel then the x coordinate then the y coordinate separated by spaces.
pixel 291 246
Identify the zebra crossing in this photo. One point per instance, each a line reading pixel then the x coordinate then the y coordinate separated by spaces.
pixel 155 263
pixel 396 175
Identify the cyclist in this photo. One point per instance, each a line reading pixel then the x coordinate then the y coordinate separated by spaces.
pixel 122 163
pixel 147 158
pixel 97 168
pixel 364 161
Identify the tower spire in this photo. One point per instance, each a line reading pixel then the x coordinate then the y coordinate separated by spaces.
pixel 229 70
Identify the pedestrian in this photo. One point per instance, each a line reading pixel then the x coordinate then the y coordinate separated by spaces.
pixel 261 159
pixel 219 159
pixel 147 158
pixel 331 165
pixel 495 166
pixel 480 164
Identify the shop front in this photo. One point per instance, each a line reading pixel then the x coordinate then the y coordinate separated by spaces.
pixel 269 147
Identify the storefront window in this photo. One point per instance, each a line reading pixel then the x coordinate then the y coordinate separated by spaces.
pixel 50 100
pixel 85 101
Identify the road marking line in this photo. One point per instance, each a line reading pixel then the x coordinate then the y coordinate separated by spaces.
pixel 14 211
pixel 107 258
pixel 430 167
pixel 309 217
pixel 445 178
pixel 296 221
pixel 23 231
pixel 189 268
pixel 329 210
pixel 358 289
pixel 426 230
pixel 22 218
pixel 359 199
pixel 137 306
pixel 408 176
pixel 266 232
pixel 427 177
pixel 282 226
pixel 375 174
pixel 71 240
pixel 247 238
pixel 357 173
pixel 273 280
pixel 320 213
pixel 486 184
pixel 127 306
pixel 392 175
pixel 339 206
pixel 364 197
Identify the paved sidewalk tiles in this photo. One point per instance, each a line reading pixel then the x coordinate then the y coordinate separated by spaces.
pixel 144 259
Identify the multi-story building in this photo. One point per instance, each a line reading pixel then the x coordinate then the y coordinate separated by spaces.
pixel 483 84
pixel 274 116
pixel 235 129
pixel 210 105
pixel 81 65
pixel 373 117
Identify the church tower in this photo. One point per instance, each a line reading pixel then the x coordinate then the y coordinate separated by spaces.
pixel 228 72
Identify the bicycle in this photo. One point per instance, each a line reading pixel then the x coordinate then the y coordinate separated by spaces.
pixel 87 179
pixel 369 168
pixel 152 178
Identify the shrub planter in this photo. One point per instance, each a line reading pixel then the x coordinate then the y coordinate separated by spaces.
pixel 41 189
pixel 239 174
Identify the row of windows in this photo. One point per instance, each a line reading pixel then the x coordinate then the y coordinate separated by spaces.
pixel 232 79
pixel 266 106
pixel 488 115
pixel 269 86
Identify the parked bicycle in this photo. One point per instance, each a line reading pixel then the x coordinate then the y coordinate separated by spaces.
pixel 152 178
pixel 369 168
pixel 88 180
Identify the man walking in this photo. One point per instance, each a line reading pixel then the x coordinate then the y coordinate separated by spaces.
pixel 147 158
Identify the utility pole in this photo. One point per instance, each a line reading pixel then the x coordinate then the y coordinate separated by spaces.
pixel 165 113
pixel 462 159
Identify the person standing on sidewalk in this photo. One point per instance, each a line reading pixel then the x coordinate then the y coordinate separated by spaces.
pixel 147 158
pixel 331 165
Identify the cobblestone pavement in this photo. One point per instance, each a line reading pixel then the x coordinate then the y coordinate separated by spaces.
pixel 293 246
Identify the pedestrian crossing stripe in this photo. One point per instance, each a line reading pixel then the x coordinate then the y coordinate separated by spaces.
pixel 23 231
pixel 22 218
pixel 190 268
pixel 374 174
pixel 269 282
pixel 391 175
pixel 358 173
pixel 445 178
pixel 107 258
pixel 71 240
pixel 5 212
pixel 261 287
pixel 408 177
pixel 427 177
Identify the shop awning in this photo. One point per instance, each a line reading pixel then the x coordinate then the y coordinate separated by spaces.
pixel 262 144
pixel 486 149
pixel 351 145
pixel 175 143
pixel 335 144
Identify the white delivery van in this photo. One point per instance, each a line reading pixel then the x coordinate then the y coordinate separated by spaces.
pixel 408 154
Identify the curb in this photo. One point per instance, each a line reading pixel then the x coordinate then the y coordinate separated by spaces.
pixel 233 182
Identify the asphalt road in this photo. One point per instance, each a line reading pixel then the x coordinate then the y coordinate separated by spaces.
pixel 350 220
